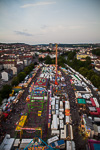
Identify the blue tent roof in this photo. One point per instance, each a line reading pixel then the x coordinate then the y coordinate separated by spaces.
pixel 96 146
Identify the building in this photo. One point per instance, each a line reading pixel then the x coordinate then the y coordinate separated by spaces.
pixel 14 69
pixel 19 67
pixel 80 56
pixel 97 67
pixel 42 56
pixel 8 64
pixel 7 74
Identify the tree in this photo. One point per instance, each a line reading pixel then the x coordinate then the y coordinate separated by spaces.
pixel 32 65
pixel 88 63
pixel 26 70
pixel 53 61
pixel 48 50
pixel 48 60
pixel 0 99
pixel 6 90
pixel 41 59
pixel 15 81
pixel 41 50
pixel 90 74
pixel 71 55
pixel 95 80
pixel 85 68
pixel 30 68
pixel 36 54
pixel 61 61
pixel 21 76
pixel 99 88
pixel 96 52
pixel 35 63
pixel 83 71
pixel 88 60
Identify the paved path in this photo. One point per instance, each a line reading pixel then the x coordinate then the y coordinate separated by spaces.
pixel 79 142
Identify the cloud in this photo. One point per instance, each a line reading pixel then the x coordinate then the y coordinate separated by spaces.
pixel 40 34
pixel 44 26
pixel 23 33
pixel 27 34
pixel 76 27
pixel 37 4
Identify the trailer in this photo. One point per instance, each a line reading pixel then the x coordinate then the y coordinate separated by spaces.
pixel 61 110
pixel 54 132
pixel 61 104
pixel 67 105
pixel 61 122
pixel 70 145
pixel 53 139
pixel 54 124
pixel 71 132
pixel 63 133
pixel 67 119
pixel 57 112
pixel 96 119
pixel 57 106
pixel 61 115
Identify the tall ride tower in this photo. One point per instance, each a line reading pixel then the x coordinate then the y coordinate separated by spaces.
pixel 56 83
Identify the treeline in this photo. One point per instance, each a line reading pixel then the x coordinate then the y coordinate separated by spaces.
pixel 7 89
pixel 96 52
pixel 47 60
pixel 44 51
pixel 84 68
pixel 20 77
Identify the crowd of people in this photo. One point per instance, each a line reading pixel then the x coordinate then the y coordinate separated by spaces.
pixel 79 142
pixel 8 125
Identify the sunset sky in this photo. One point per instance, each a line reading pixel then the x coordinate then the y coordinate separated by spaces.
pixel 50 21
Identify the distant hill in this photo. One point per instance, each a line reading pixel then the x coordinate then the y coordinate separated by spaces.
pixel 14 44
pixel 74 45
pixel 85 45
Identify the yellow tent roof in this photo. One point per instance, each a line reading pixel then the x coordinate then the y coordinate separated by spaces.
pixel 21 123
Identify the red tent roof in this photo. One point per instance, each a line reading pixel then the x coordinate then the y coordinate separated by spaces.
pixel 5 115
pixel 41 82
pixel 94 113
pixel 93 103
pixel 98 110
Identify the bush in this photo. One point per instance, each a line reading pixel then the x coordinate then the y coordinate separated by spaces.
pixel 6 90
pixel 15 81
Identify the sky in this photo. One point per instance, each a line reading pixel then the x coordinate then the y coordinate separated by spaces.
pixel 50 21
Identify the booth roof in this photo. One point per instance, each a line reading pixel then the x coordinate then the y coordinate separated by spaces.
pixel 81 101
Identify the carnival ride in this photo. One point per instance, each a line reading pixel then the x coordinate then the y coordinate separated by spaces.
pixel 39 145
pixel 35 109
pixel 41 82
pixel 36 102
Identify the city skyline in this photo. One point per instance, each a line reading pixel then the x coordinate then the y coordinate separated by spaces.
pixel 49 21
